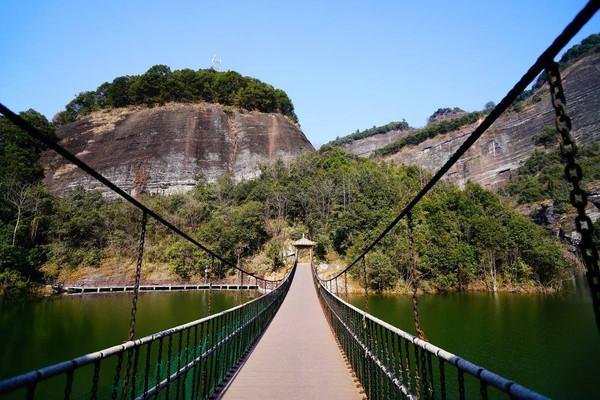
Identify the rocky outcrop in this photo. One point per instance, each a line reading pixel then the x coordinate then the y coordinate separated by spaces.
pixel 500 151
pixel 364 147
pixel 166 149
pixel 443 114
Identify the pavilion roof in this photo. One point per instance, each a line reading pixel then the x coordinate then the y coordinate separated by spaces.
pixel 304 242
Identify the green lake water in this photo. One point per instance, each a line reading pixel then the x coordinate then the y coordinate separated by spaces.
pixel 40 332
pixel 546 342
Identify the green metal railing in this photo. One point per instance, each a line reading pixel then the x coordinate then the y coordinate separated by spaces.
pixel 393 364
pixel 189 361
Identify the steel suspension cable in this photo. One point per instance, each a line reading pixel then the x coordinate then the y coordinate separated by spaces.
pixel 538 67
pixel 54 145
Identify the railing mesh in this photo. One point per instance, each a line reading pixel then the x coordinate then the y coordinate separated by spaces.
pixel 393 364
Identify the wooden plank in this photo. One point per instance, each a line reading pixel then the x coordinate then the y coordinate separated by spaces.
pixel 297 357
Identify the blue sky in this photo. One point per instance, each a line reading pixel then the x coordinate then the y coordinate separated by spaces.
pixel 346 65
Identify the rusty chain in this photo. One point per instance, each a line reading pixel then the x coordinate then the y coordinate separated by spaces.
pixel 209 300
pixel 574 175
pixel 346 285
pixel 138 273
pixel 136 290
pixel 364 262
pixel 414 280
pixel 95 379
pixel 364 317
pixel 117 376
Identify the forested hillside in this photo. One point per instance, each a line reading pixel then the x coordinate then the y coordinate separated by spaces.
pixel 463 238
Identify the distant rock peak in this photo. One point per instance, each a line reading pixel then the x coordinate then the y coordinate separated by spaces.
pixel 442 114
pixel 508 142
pixel 492 160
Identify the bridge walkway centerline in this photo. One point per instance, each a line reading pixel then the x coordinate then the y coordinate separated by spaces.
pixel 298 356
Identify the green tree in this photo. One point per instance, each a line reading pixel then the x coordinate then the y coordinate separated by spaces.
pixel 274 254
pixel 24 203
pixel 77 229
pixel 548 137
pixel 381 274
pixel 118 92
pixel 187 260
pixel 160 85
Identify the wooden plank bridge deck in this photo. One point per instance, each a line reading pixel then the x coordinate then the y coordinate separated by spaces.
pixel 297 357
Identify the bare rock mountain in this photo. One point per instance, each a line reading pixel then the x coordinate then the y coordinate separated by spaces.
pixel 166 149
pixel 509 141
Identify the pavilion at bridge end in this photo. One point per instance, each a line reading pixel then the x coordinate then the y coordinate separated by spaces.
pixel 304 244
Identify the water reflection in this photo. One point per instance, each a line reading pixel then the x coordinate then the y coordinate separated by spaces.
pixel 547 342
pixel 35 333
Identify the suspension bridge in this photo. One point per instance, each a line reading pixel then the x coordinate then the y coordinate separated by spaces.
pixel 300 338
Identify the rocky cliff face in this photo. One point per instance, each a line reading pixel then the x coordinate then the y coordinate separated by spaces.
pixel 364 147
pixel 499 152
pixel 166 149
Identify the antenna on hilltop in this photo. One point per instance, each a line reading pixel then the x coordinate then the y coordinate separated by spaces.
pixel 215 62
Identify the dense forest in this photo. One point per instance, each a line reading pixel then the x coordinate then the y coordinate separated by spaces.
pixel 24 204
pixel 160 85
pixel 462 237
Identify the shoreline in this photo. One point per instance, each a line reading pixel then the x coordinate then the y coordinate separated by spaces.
pixel 401 289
